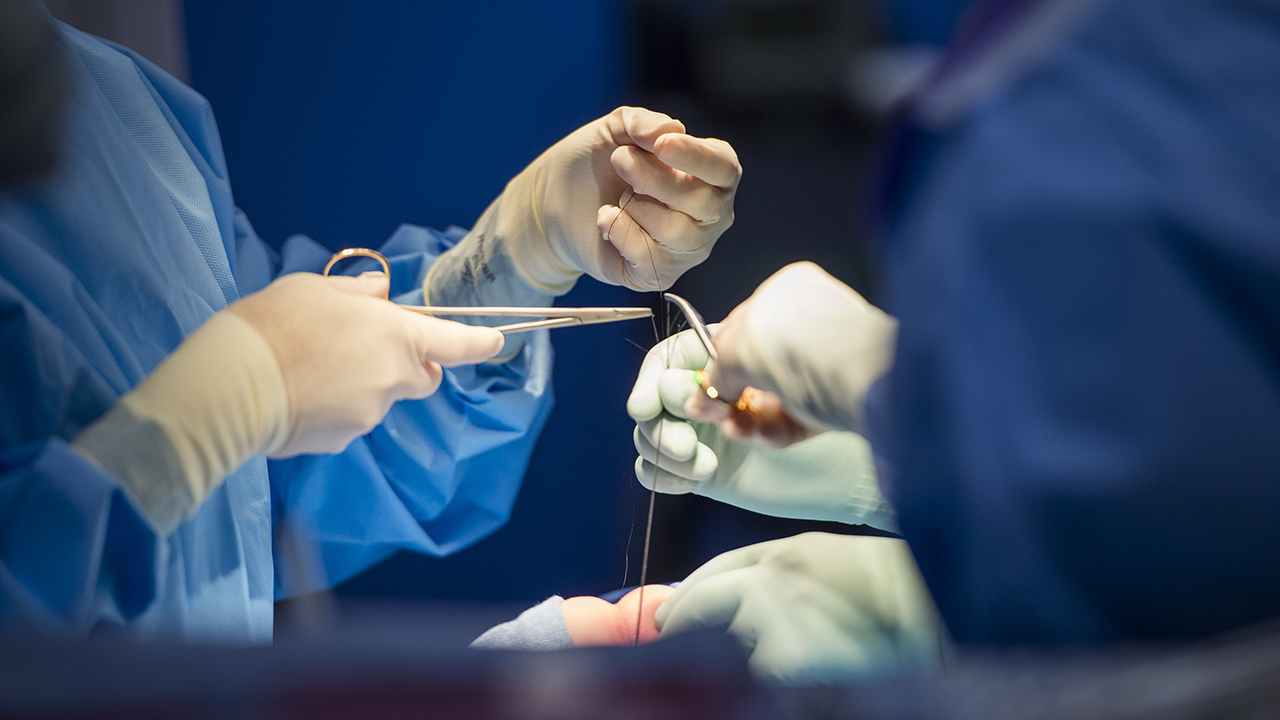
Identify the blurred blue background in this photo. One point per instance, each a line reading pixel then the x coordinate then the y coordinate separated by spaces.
pixel 341 120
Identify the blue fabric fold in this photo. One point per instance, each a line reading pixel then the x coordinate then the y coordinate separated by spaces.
pixel 105 268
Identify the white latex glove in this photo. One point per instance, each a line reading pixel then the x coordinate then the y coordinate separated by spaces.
pixel 808 338
pixel 304 366
pixel 815 608
pixel 827 477
pixel 619 198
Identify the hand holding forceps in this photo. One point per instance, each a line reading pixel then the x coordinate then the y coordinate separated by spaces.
pixel 744 403
pixel 555 317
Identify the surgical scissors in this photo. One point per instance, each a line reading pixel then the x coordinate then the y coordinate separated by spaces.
pixel 556 317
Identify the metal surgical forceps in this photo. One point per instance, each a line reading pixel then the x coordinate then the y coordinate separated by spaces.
pixel 555 317
pixel 744 403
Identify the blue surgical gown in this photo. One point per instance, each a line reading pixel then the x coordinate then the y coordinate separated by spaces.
pixel 104 268
pixel 1082 430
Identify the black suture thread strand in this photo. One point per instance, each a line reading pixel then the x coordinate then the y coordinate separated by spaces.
pixel 626 554
pixel 653 485
pixel 653 489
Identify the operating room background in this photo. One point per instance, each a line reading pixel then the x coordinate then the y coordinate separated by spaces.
pixel 342 120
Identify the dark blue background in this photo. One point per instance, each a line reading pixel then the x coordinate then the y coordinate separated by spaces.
pixel 342 120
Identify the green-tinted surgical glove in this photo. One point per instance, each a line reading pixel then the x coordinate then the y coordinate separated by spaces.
pixel 827 477
pixel 815 608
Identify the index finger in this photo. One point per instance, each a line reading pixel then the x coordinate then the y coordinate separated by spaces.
pixel 683 351
pixel 638 126
pixel 452 343
pixel 702 602
pixel 711 161
pixel 643 403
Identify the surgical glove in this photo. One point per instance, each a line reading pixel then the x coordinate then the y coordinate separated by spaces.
pixel 808 338
pixel 347 354
pixel 306 365
pixel 815 608
pixel 827 477
pixel 629 199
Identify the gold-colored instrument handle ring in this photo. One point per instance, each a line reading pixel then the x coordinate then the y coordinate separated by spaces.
pixel 745 403
pixel 360 252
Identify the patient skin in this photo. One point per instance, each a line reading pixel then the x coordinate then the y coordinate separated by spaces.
pixel 594 622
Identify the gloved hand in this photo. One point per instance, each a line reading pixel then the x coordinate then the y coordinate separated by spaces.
pixel 827 477
pixel 810 339
pixel 629 199
pixel 815 608
pixel 347 354
pixel 304 366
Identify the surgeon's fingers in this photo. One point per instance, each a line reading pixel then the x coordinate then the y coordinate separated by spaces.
pixel 674 388
pixel 677 189
pixel 371 283
pixel 676 438
pixel 721 564
pixel 652 390
pixel 705 602
pixel 416 379
pixel 451 343
pixel 644 403
pixel 429 382
pixel 665 482
pixel 639 126
pixel 669 228
pixel 702 466
pixel 711 161
pixel 691 353
pixel 645 264
pixel 685 350
pixel 640 268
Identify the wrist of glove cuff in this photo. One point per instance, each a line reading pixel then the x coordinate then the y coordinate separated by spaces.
pixel 481 271
pixel 515 230
pixel 217 400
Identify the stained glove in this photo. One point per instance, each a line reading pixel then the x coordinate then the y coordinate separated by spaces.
pixel 304 366
pixel 808 338
pixel 815 608
pixel 629 199
pixel 827 477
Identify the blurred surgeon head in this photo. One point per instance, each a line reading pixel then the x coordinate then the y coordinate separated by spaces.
pixel 32 83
